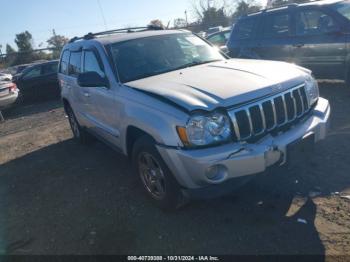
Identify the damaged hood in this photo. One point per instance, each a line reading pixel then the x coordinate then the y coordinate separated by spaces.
pixel 222 84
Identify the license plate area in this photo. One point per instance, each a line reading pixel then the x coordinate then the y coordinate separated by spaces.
pixel 300 150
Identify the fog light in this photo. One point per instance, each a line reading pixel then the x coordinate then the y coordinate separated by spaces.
pixel 216 173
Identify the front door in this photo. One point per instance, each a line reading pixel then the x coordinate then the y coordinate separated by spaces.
pixel 319 43
pixel 102 105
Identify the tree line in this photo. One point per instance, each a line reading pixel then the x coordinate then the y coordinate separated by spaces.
pixel 212 13
pixel 26 53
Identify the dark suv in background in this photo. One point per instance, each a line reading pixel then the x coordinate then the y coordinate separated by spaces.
pixel 315 35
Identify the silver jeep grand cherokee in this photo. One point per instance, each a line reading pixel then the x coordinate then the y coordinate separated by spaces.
pixel 191 120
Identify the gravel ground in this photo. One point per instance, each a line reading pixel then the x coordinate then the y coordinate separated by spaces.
pixel 59 197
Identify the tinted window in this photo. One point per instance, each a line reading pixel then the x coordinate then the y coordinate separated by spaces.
pixel 217 39
pixel 227 35
pixel 74 67
pixel 314 22
pixel 277 25
pixel 32 73
pixel 91 63
pixel 64 63
pixel 244 29
pixel 220 39
pixel 50 69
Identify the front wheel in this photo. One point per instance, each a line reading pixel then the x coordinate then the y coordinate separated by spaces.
pixel 155 176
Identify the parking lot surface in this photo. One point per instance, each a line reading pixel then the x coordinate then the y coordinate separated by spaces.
pixel 59 197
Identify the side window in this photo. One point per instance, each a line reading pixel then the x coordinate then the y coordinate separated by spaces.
pixel 91 63
pixel 217 39
pixel 227 36
pixel 34 72
pixel 244 29
pixel 277 25
pixel 74 67
pixel 64 63
pixel 314 22
pixel 50 69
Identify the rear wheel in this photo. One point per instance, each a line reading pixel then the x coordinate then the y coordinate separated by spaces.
pixel 79 133
pixel 155 176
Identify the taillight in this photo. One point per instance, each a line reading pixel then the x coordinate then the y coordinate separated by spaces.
pixel 12 87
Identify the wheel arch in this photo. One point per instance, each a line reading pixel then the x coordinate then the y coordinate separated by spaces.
pixel 134 133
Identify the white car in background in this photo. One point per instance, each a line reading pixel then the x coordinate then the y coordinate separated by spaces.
pixel 5 77
pixel 8 94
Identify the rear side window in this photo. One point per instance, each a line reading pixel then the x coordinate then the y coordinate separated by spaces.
pixel 277 25
pixel 64 63
pixel 244 29
pixel 314 22
pixel 74 67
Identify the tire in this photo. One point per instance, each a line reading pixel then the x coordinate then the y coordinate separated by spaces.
pixel 79 133
pixel 156 178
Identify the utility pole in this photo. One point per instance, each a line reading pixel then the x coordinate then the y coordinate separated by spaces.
pixel 186 18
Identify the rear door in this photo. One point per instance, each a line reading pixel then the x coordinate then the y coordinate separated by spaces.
pixel 319 43
pixel 275 36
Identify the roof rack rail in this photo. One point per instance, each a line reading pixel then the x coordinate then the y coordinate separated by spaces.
pixel 90 35
pixel 291 5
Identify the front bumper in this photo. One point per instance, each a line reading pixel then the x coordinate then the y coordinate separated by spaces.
pixel 190 167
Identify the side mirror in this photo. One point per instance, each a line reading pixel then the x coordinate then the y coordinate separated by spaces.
pixel 92 79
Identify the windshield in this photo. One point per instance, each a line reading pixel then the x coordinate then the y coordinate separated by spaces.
pixel 343 8
pixel 144 57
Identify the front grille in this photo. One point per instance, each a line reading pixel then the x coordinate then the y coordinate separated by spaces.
pixel 269 115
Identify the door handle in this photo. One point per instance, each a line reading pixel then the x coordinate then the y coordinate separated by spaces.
pixel 298 45
pixel 86 94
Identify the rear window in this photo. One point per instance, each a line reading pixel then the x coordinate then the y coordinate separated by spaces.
pixel 244 29
pixel 64 62
pixel 74 68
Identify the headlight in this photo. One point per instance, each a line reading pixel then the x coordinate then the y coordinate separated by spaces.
pixel 207 130
pixel 312 91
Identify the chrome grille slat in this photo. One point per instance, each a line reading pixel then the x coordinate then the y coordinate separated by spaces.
pixel 263 118
pixel 302 101
pixel 251 122
pixel 295 106
pixel 235 126
pixel 274 113
pixel 285 110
